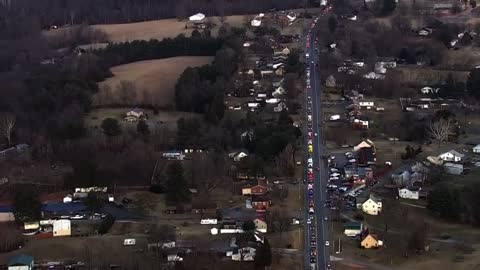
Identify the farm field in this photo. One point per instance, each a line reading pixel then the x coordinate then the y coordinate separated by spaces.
pixel 159 29
pixel 153 80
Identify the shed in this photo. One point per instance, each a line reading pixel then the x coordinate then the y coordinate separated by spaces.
pixel 476 148
pixel 330 81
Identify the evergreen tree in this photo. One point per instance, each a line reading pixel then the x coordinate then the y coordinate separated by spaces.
pixel 388 6
pixel 27 205
pixel 176 187
pixel 332 24
pixel 473 83
pixel 142 128
pixel 263 255
pixel 111 127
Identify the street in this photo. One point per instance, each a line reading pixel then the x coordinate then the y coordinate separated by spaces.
pixel 317 245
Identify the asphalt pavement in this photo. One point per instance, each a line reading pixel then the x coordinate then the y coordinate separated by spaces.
pixel 321 217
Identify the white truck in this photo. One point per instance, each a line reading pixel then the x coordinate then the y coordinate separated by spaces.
pixel 334 117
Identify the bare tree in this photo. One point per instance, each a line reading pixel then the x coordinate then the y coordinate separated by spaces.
pixel 279 221
pixel 441 129
pixel 126 92
pixel 7 122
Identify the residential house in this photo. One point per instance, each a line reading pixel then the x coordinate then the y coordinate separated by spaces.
pixel 236 214
pixel 401 178
pixel 261 203
pixel 280 71
pixel 20 262
pixel 266 73
pixel 364 144
pixel 453 168
pixel 371 241
pixel 412 193
pixel 372 206
pixel 330 81
pixel 277 82
pixel 281 106
pixel 244 254
pixel 6 213
pixel 366 157
pixel 279 91
pixel 259 189
pixel 451 155
pixel 204 207
pixel 476 148
pixel 237 156
pixel 360 122
pixel 135 115
pixel 68 198
pixel 62 227
pixel 366 104
pixel 429 90
pixel 247 135
pixel 260 225
pixel 374 76
pixel 352 229
pixel 246 191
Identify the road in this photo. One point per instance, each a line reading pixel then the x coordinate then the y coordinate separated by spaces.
pixel 314 120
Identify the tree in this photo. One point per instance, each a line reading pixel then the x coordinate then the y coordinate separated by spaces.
pixel 440 129
pixel 444 201
pixel 7 122
pixel 111 127
pixel 332 24
pixel 263 255
pixel 388 6
pixel 93 203
pixel 248 225
pixel 279 221
pixel 126 92
pixel 473 83
pixel 196 33
pixel 142 128
pixel 27 205
pixel 176 188
pixel 290 87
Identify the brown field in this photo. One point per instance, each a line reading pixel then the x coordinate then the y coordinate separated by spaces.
pixel 159 29
pixel 154 80
pixel 422 75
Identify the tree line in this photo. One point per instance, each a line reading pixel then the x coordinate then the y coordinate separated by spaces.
pixel 70 12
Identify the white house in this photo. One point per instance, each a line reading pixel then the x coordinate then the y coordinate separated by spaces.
pixel 429 90
pixel 135 115
pixel 61 227
pixel 453 168
pixel 412 193
pixel 280 91
pixel 260 225
pixel 244 254
pixel 372 206
pixel 451 155
pixel 352 229
pixel 476 148
pixel 367 104
pixel 237 156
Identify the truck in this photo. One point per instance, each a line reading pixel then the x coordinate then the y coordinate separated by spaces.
pixel 334 117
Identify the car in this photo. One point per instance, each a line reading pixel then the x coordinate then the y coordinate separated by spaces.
pixel 311 210
pixel 310 176
pixel 312 266
pixel 310 165
pixel 325 218
pixel 312 259
pixel 333 169
pixel 327 243
pixel 311 203
pixel 310 148
pixel 316 134
pixel 310 193
pixel 309 221
pixel 313 243
pixel 310 160
pixel 310 142
pixel 310 186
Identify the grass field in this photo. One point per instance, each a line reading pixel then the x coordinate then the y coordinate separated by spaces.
pixel 154 80
pixel 159 29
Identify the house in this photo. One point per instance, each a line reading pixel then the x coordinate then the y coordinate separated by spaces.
pixel 68 198
pixel 135 115
pixel 6 213
pixel 360 122
pixel 412 193
pixel 260 225
pixel 20 262
pixel 259 189
pixel 371 241
pixel 402 178
pixel 247 191
pixel 203 206
pixel 429 90
pixel 62 227
pixel 237 156
pixel 366 104
pixel 281 106
pixel 453 168
pixel 352 229
pixel 366 157
pixel 372 206
pixel 451 155
pixel 244 254
pixel 261 203
pixel 277 82
pixel 330 81
pixel 476 148
pixel 238 213
pixel 364 144
pixel 266 73
pixel 280 91
pixel 280 71
pixel 374 76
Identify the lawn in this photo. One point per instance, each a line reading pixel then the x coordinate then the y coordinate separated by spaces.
pixel 153 80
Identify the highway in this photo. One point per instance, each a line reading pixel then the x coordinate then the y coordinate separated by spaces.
pixel 317 242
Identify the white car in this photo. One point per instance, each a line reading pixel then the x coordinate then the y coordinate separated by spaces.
pixel 335 174
pixel 310 170
pixel 326 218
pixel 310 160
pixel 316 134
pixel 310 142
pixel 310 186
pixel 327 243
pixel 333 169
pixel 311 210
pixel 309 221
pixel 309 117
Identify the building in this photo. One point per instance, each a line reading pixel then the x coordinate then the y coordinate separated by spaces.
pixel 412 193
pixel 476 148
pixel 20 262
pixel 352 229
pixel 244 254
pixel 62 227
pixel 366 104
pixel 402 178
pixel 453 168
pixel 330 81
pixel 259 189
pixel 68 198
pixel 173 155
pixel 366 157
pixel 6 213
pixel 371 241
pixel 261 203
pixel 135 115
pixel 360 122
pixel 451 155
pixel 247 191
pixel 260 225
pixel 372 206
pixel 364 144
pixel 237 156
pixel 204 207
